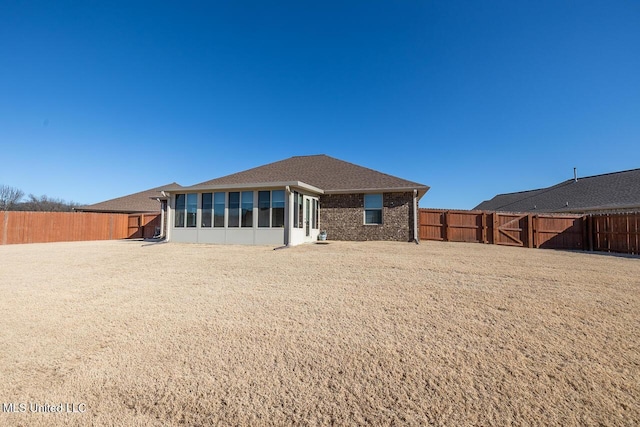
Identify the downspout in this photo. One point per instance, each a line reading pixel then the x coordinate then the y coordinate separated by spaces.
pixel 168 231
pixel 163 207
pixel 415 217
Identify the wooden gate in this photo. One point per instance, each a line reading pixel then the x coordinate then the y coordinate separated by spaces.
pixel 143 226
pixel 512 230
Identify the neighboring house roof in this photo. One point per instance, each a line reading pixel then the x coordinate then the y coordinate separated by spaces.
pixel 611 191
pixel 144 201
pixel 324 173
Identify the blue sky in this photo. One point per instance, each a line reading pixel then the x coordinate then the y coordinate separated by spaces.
pixel 474 98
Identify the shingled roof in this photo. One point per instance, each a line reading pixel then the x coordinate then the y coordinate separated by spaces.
pixel 329 174
pixel 615 191
pixel 140 202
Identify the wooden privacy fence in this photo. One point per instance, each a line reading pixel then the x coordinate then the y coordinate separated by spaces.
pixel 42 227
pixel 607 232
pixel 614 233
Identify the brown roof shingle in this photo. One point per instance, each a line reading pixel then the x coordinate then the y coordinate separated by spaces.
pixel 610 191
pixel 132 203
pixel 321 171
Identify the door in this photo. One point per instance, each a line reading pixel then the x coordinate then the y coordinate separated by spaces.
pixel 307 217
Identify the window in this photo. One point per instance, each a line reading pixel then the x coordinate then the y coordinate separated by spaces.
pixel 180 209
pixel 186 209
pixel 192 209
pixel 296 196
pixel 298 212
pixel 264 206
pixel 315 214
pixel 207 209
pixel 271 208
pixel 277 205
pixel 218 209
pixel 234 209
pixel 247 208
pixel 373 208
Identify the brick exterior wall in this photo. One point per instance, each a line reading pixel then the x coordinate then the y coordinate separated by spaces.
pixel 342 216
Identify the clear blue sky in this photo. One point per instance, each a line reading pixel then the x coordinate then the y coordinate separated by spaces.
pixel 474 98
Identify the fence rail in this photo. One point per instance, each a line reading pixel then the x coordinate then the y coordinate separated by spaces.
pixel 605 232
pixel 43 227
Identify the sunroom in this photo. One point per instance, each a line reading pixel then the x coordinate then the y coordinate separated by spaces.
pixel 285 213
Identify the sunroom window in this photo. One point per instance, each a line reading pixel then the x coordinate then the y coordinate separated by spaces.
pixel 218 209
pixel 186 210
pixel 180 209
pixel 207 209
pixel 192 209
pixel 247 209
pixel 264 206
pixel 234 209
pixel 277 204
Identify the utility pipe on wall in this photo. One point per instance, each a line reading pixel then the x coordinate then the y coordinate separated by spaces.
pixel 162 209
pixel 167 232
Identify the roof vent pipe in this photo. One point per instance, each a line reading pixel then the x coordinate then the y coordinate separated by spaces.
pixel 575 174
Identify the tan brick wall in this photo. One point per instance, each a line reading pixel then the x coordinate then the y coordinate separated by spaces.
pixel 342 215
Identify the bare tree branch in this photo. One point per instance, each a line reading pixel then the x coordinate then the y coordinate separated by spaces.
pixel 9 196
pixel 46 204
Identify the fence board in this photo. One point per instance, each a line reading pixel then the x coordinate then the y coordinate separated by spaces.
pixel 616 232
pixel 43 227
pixel 560 232
pixel 431 224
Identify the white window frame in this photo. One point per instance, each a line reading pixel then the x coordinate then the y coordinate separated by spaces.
pixel 381 209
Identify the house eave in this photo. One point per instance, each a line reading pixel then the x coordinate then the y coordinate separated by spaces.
pixel 422 190
pixel 117 211
pixel 248 186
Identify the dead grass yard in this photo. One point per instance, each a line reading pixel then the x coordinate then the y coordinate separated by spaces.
pixel 345 333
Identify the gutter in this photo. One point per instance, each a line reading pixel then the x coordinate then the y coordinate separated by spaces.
pixel 247 186
pixel 421 191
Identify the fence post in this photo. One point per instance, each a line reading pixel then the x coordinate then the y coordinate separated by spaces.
pixel 445 223
pixel 484 227
pixel 628 236
pixel 530 231
pixel 495 228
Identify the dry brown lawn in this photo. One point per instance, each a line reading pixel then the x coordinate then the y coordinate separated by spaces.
pixel 345 333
